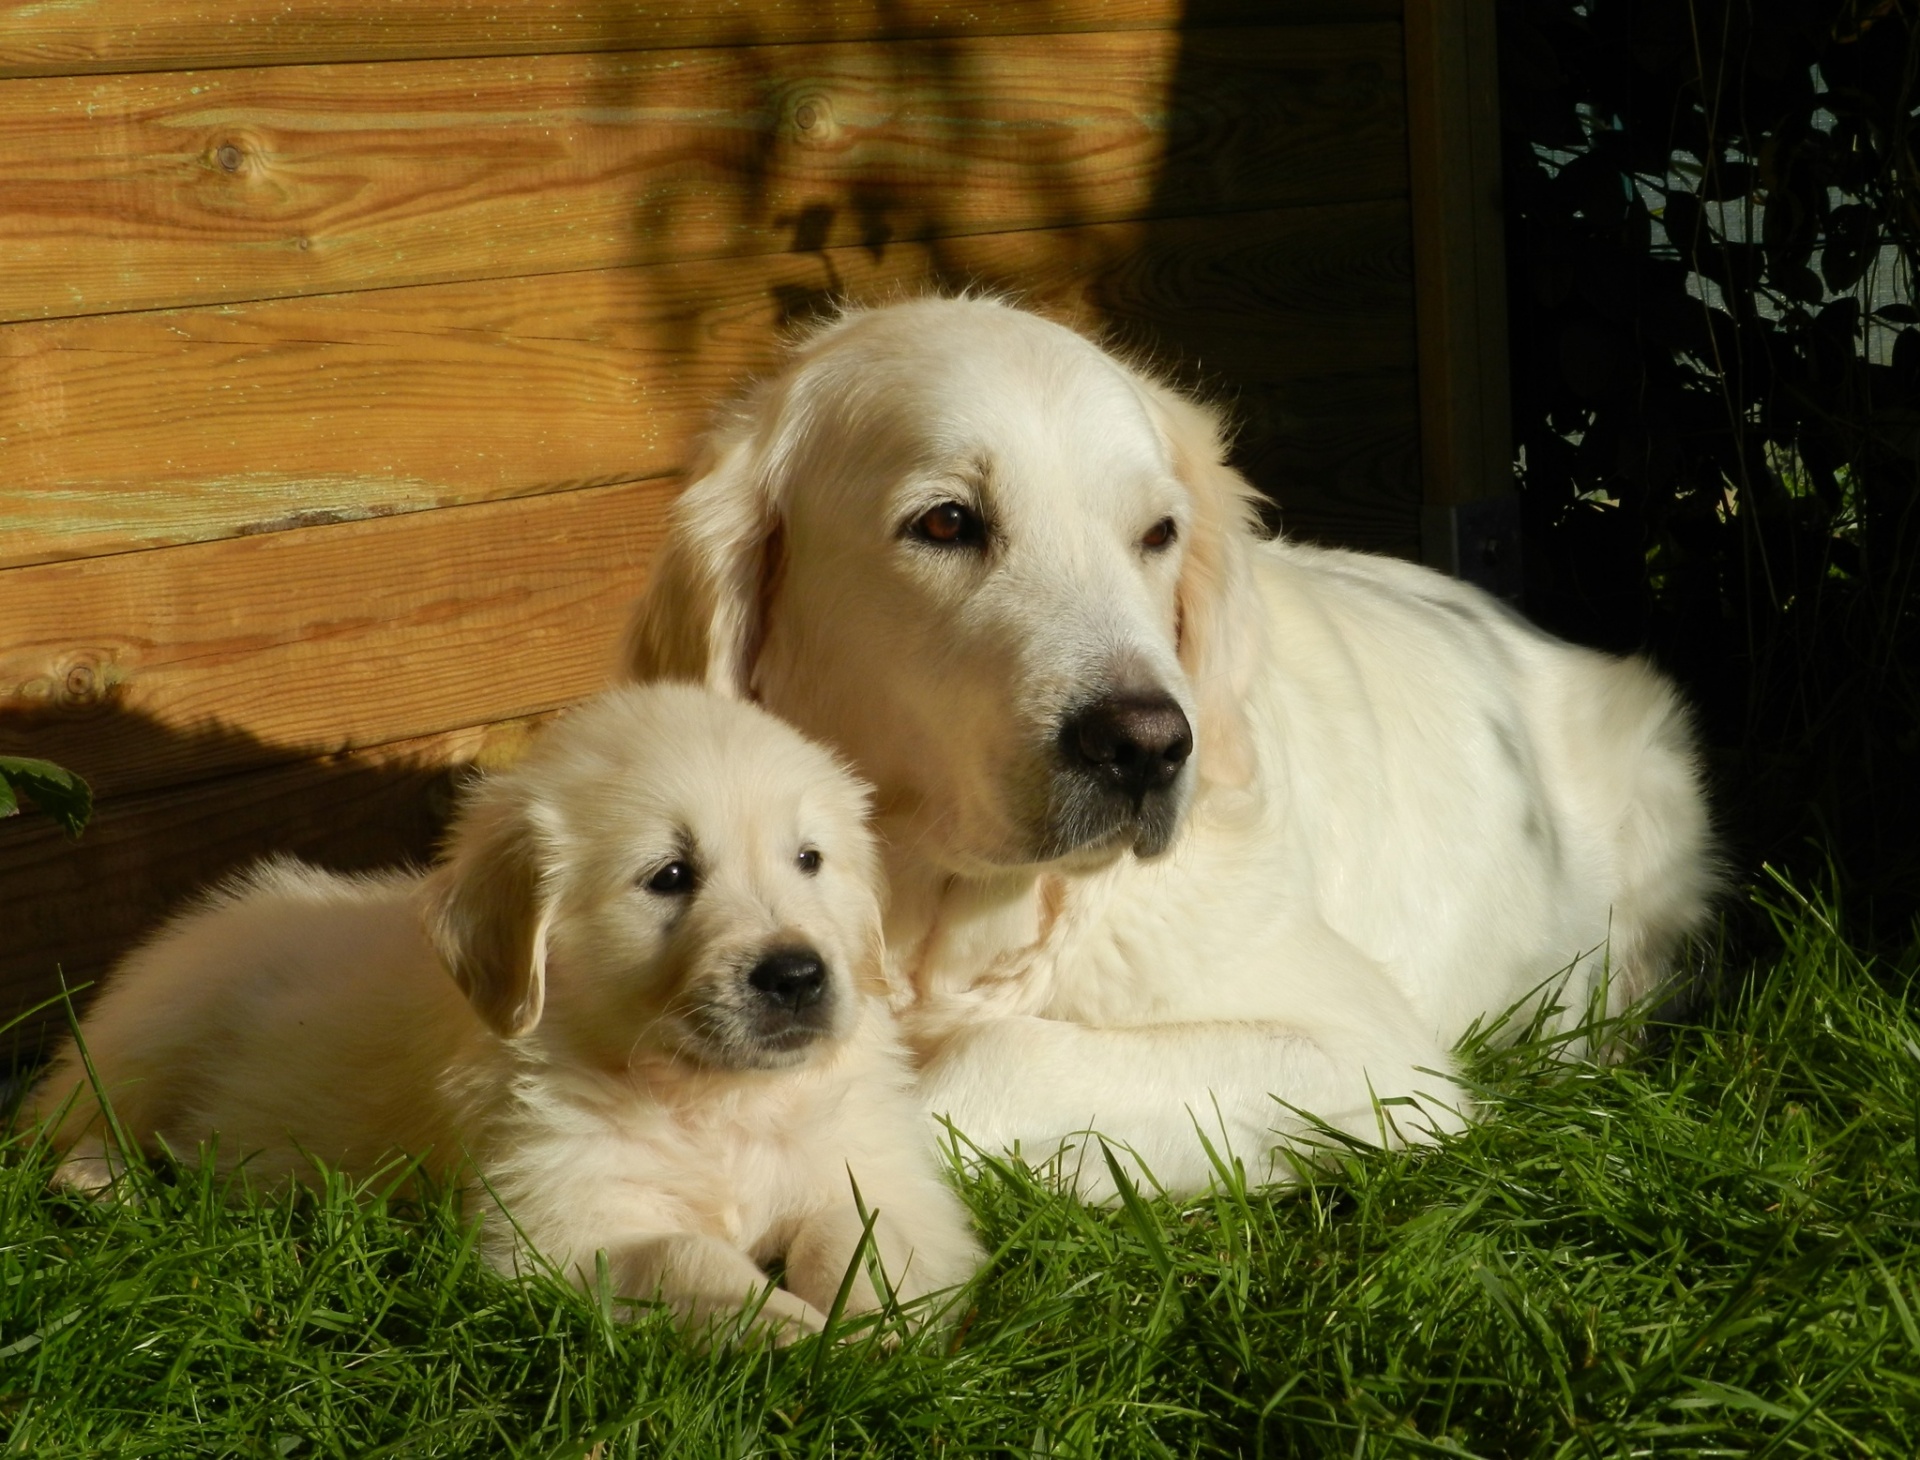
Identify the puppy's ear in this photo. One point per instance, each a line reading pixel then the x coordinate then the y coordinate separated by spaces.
pixel 1220 620
pixel 704 611
pixel 487 913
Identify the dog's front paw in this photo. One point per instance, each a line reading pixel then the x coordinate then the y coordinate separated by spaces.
pixel 89 1170
pixel 778 1319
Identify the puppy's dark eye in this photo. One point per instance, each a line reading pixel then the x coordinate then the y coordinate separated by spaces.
pixel 951 524
pixel 1159 535
pixel 676 879
pixel 808 861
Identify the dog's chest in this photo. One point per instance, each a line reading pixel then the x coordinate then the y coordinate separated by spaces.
pixel 748 1174
pixel 1095 947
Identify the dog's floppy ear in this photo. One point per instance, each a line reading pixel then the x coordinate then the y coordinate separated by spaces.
pixel 1220 621
pixel 704 610
pixel 488 908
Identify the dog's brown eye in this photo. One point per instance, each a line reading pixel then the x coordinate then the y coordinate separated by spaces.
pixel 951 524
pixel 672 880
pixel 809 861
pixel 1159 535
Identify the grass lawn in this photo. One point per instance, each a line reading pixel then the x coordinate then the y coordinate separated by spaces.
pixel 1714 1249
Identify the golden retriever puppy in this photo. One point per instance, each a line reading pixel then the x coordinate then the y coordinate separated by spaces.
pixel 640 1006
pixel 1183 827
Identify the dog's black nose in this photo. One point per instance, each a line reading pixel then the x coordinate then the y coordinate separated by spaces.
pixel 1135 743
pixel 792 979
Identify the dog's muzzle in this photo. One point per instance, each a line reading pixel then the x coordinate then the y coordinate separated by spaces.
pixel 1120 760
pixel 790 1004
pixel 768 1014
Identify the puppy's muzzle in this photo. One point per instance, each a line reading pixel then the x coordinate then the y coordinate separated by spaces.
pixel 791 1002
pixel 1119 760
pixel 792 979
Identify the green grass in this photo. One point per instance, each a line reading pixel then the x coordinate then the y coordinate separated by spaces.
pixel 1706 1250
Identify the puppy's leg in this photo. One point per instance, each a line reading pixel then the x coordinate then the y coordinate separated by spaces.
pixel 66 1105
pixel 710 1285
pixel 87 1169
pixel 921 1241
pixel 825 1245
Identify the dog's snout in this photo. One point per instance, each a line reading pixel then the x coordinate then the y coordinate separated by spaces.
pixel 1136 743
pixel 791 979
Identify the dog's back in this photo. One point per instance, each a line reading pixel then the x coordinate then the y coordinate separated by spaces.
pixel 1523 801
pixel 291 999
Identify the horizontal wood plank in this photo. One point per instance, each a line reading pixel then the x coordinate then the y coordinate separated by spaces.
pixel 137 431
pixel 1344 451
pixel 146 191
pixel 146 670
pixel 78 37
pixel 74 907
pixel 1454 105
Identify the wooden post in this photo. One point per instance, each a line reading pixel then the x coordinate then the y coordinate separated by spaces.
pixel 1470 517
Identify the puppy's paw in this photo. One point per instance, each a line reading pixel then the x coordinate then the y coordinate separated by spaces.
pixel 89 1171
pixel 777 1319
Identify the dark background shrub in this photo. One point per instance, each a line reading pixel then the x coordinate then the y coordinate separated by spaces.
pixel 1713 212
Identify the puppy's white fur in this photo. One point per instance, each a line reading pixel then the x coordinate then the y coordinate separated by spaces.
pixel 1407 808
pixel 596 1055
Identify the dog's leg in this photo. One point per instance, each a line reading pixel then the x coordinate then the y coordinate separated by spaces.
pixel 87 1169
pixel 711 1285
pixel 1153 1090
pixel 825 1245
pixel 921 1242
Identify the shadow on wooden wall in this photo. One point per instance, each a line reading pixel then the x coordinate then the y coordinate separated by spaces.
pixel 146 856
pixel 1298 315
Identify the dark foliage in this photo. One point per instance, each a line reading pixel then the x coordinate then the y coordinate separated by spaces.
pixel 1713 221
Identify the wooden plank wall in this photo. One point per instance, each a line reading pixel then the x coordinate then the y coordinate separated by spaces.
pixel 349 351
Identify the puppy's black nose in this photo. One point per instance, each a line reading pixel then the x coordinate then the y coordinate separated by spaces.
pixel 1135 743
pixel 791 979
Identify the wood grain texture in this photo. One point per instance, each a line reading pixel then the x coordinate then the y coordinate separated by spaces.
pixel 1453 102
pixel 77 37
pixel 1306 337
pixel 136 431
pixel 74 907
pixel 152 669
pixel 137 192
pixel 1339 454
pixel 148 668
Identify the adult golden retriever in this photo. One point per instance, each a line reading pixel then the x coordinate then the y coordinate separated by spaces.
pixel 1184 828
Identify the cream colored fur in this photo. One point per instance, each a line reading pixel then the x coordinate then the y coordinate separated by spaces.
pixel 593 1054
pixel 1407 811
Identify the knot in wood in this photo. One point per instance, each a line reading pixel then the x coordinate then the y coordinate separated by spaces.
pixel 813 119
pixel 79 685
pixel 229 157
